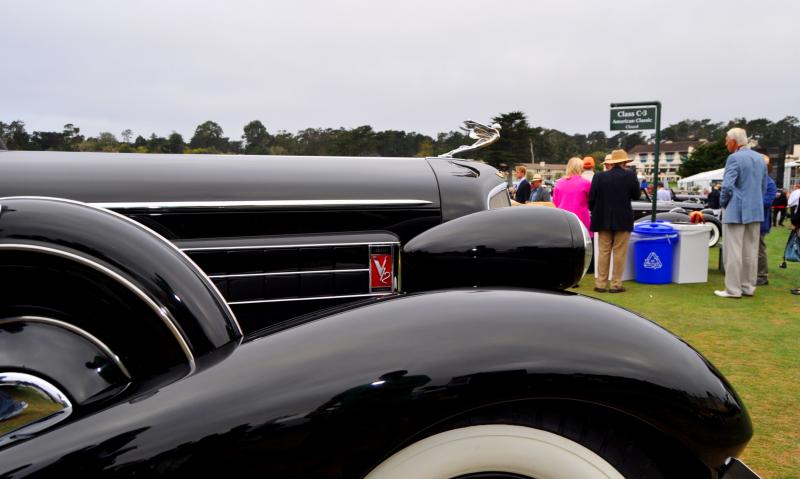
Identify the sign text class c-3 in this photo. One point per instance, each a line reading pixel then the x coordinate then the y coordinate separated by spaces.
pixel 633 118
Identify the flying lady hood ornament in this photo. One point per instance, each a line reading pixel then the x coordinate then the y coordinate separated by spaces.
pixel 482 134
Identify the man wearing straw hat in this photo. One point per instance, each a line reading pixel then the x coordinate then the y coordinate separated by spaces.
pixel 612 218
pixel 538 192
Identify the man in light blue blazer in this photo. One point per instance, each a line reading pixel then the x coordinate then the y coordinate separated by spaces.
pixel 742 197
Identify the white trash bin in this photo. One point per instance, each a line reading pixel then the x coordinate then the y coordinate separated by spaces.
pixel 690 258
pixel 630 269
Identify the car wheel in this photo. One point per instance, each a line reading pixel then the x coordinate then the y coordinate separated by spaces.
pixel 716 231
pixel 539 444
pixel 495 450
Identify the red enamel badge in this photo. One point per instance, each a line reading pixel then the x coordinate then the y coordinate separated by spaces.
pixel 380 271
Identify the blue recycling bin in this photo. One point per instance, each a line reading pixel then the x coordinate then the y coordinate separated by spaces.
pixel 652 252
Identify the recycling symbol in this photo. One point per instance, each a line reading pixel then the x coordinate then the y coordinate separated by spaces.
pixel 653 261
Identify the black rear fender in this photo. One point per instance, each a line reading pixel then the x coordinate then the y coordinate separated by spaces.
pixel 113 278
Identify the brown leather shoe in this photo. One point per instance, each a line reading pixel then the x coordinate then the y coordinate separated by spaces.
pixel 600 290
pixel 617 290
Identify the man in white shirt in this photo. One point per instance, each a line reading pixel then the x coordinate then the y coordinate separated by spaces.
pixel 794 198
pixel 663 195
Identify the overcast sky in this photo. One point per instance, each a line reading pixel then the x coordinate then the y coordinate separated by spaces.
pixel 158 65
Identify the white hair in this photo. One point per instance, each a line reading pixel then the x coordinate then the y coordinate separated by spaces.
pixel 738 135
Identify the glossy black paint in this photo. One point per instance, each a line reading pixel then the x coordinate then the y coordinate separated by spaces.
pixel 331 396
pixel 506 247
pixel 445 188
pixel 127 248
pixel 132 177
pixel 464 185
pixel 85 372
pixel 332 393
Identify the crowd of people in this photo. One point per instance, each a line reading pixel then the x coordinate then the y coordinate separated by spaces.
pixel 747 200
pixel 602 201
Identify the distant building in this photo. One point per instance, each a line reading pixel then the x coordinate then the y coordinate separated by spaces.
pixel 549 171
pixel 672 155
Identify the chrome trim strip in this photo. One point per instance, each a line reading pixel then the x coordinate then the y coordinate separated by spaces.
pixel 53 394
pixel 494 191
pixel 74 329
pixel 255 203
pixel 311 298
pixel 286 273
pixel 160 311
pixel 311 245
pixel 192 264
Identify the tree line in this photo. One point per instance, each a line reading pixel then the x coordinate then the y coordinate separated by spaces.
pixel 520 142
pixel 775 136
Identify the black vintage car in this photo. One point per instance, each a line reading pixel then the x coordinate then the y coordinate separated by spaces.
pixel 302 317
pixel 678 212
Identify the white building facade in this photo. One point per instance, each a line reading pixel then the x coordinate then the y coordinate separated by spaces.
pixel 549 171
pixel 671 156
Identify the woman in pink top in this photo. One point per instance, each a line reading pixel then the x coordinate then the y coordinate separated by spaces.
pixel 571 192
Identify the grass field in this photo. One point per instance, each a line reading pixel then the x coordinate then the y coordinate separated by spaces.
pixel 754 341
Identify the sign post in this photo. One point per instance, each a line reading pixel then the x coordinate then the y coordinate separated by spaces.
pixel 640 116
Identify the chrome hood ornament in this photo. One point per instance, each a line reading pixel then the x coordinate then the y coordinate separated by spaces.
pixel 482 134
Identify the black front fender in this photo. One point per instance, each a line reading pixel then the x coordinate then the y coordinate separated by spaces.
pixel 330 396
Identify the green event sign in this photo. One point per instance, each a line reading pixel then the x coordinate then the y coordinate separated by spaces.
pixel 633 118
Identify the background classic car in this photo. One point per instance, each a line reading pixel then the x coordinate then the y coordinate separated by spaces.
pixel 217 315
pixel 678 212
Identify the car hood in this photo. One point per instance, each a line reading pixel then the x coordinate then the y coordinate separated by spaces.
pixel 155 178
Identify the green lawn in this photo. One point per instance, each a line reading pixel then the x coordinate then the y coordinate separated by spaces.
pixel 754 341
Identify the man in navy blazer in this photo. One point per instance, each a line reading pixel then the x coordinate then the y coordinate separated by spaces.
pixel 742 199
pixel 523 193
pixel 612 218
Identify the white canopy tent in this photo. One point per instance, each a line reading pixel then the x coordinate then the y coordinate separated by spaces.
pixel 790 173
pixel 701 180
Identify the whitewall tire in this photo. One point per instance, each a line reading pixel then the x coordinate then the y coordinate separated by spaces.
pixel 715 234
pixel 518 450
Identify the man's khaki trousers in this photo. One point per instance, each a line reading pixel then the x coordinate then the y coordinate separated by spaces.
pixel 609 242
pixel 740 253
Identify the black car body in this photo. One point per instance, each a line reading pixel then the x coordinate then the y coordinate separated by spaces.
pixel 314 317
pixel 643 208
pixel 678 212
